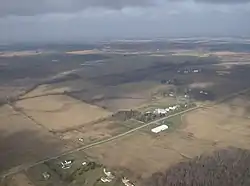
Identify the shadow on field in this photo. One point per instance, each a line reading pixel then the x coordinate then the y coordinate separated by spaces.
pixel 41 66
pixel 237 80
pixel 158 70
pixel 228 167
pixel 26 147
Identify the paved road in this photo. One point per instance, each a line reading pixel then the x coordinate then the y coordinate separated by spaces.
pixel 27 166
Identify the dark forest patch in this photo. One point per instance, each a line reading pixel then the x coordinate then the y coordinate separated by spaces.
pixel 229 167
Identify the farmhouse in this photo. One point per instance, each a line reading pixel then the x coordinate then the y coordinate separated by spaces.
pixel 203 92
pixel 127 182
pixel 108 178
pixel 66 164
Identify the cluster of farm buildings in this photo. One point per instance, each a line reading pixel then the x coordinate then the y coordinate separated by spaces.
pixel 166 110
pixel 160 111
pixel 109 177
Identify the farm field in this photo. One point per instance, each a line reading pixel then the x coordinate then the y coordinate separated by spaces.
pixel 123 96
pixel 23 141
pixel 44 90
pixel 93 132
pixel 60 112
pixel 228 122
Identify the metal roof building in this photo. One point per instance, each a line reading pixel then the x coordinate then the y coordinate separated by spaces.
pixel 159 128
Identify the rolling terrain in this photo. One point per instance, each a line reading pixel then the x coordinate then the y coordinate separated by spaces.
pixel 96 105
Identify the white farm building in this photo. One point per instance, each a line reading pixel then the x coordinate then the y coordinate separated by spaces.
pixel 160 111
pixel 159 129
pixel 166 110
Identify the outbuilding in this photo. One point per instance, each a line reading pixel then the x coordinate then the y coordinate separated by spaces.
pixel 159 129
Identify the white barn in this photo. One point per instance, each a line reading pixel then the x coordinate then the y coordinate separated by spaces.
pixel 159 129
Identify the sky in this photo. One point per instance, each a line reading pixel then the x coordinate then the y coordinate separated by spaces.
pixel 86 20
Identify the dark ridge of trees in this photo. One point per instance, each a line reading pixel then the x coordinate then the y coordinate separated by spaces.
pixel 227 167
pixel 126 115
pixel 134 114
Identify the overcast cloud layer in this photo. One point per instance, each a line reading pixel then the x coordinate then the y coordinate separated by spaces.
pixel 76 20
pixel 33 7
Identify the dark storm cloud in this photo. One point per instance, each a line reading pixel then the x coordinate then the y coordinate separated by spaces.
pixel 33 7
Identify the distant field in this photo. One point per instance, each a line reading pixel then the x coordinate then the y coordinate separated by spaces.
pixel 190 53
pixel 44 90
pixel 123 96
pixel 60 112
pixel 19 53
pixel 82 52
pixel 42 66
pixel 125 82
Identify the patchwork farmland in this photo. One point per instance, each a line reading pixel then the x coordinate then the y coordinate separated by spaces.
pixel 118 117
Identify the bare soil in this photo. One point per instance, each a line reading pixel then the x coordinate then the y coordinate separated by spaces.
pixel 82 52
